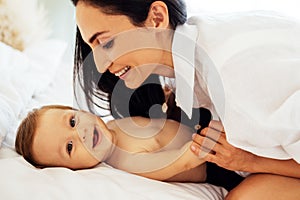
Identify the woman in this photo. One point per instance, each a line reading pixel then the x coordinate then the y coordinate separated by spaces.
pixel 113 18
pixel 98 88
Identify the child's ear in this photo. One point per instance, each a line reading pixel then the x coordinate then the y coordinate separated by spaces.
pixel 39 166
pixel 158 16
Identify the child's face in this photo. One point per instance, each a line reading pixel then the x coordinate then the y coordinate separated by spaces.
pixel 72 139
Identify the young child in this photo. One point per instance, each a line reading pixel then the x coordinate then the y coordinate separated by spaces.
pixel 155 148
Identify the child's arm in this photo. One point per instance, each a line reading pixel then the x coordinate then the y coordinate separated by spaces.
pixel 167 164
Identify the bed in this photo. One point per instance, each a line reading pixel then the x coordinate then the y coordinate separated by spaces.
pixel 40 75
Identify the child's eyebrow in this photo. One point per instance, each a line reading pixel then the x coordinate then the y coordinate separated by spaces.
pixel 65 117
pixel 62 150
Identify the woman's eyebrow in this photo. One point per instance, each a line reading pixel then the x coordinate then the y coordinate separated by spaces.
pixel 91 40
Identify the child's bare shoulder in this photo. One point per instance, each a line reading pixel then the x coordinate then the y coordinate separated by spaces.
pixel 137 121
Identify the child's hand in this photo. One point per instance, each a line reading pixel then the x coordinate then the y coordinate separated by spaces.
pixel 212 146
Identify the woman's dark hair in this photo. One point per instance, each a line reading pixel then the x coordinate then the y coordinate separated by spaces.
pixel 137 10
pixel 98 88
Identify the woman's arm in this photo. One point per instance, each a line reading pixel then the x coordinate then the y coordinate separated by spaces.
pixel 183 160
pixel 227 156
pixel 281 167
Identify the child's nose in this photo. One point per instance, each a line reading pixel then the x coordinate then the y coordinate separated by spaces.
pixel 82 133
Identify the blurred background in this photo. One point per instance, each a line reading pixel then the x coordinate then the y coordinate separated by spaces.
pixel 61 13
pixel 290 7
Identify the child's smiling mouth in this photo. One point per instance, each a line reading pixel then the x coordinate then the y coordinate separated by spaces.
pixel 96 137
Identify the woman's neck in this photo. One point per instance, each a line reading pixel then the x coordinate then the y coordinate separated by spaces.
pixel 166 66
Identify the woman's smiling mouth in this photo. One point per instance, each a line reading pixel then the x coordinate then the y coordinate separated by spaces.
pixel 122 72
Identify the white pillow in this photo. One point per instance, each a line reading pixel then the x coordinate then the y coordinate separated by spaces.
pixel 24 75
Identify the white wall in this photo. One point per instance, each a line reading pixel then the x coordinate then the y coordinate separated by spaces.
pixel 289 7
pixel 62 13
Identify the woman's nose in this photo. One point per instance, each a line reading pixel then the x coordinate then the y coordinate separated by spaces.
pixel 103 66
pixel 102 60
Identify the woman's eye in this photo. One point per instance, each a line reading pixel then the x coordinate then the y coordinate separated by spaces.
pixel 69 147
pixel 108 44
pixel 72 122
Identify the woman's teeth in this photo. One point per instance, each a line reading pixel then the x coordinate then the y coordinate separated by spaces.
pixel 123 71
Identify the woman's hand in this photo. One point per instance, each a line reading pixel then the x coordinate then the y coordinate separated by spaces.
pixel 212 146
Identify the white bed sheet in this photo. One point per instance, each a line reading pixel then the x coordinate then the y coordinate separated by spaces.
pixel 19 180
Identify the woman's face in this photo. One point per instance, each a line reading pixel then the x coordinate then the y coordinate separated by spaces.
pixel 132 53
pixel 72 139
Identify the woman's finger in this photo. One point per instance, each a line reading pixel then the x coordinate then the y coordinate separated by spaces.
pixel 216 125
pixel 204 141
pixel 199 151
pixel 222 139
pixel 206 144
pixel 215 135
pixel 211 133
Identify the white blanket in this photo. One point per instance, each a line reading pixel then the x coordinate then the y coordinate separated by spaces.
pixel 23 76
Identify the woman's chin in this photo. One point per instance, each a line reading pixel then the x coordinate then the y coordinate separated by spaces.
pixel 135 80
pixel 133 85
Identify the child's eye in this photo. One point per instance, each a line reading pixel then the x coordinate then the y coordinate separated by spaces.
pixel 72 121
pixel 108 44
pixel 69 147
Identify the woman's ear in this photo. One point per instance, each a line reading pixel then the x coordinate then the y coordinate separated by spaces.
pixel 158 16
